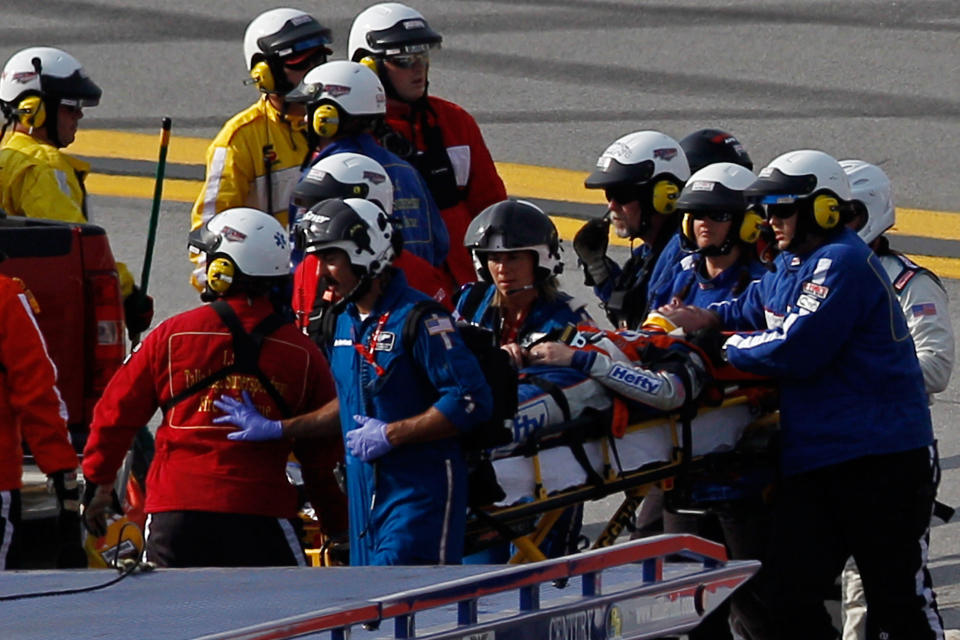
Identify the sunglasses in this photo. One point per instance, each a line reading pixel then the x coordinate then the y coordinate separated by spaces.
pixel 781 211
pixel 408 60
pixel 716 216
pixel 623 193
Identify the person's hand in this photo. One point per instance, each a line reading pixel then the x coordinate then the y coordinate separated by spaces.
pixel 516 353
pixel 553 353
pixel 137 313
pixel 70 553
pixel 369 442
pixel 689 318
pixel 590 244
pixel 253 426
pixel 98 504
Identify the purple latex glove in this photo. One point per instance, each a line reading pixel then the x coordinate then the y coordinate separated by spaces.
pixel 253 426
pixel 369 442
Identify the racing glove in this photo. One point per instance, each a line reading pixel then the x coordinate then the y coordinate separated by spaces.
pixel 369 442
pixel 253 426
pixel 137 313
pixel 70 553
pixel 590 244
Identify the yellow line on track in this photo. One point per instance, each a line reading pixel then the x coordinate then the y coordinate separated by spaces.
pixel 524 181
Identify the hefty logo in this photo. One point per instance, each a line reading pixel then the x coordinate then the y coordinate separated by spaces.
pixel 667 154
pixel 633 378
pixel 529 420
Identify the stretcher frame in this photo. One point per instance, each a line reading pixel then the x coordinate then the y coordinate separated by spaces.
pixel 491 525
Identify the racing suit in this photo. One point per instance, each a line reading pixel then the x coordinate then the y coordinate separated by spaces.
pixel 237 169
pixel 196 469
pixel 424 233
pixel 408 506
pixel 38 180
pixel 926 307
pixel 857 451
pixel 453 158
pixel 30 408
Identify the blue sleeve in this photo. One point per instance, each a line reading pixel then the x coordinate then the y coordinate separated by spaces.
pixel 465 398
pixel 745 312
pixel 824 308
pixel 664 271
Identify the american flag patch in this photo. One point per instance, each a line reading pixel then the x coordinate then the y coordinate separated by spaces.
pixel 925 309
pixel 438 325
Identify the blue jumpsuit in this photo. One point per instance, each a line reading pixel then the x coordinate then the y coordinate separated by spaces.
pixel 857 452
pixel 700 290
pixel 409 506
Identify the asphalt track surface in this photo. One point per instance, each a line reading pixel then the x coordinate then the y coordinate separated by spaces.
pixel 551 84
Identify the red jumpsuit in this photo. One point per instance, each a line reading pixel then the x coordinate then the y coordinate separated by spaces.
pixel 478 185
pixel 196 468
pixel 30 404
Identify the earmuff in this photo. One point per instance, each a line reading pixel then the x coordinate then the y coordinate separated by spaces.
pixel 686 228
pixel 31 112
pixel 325 120
pixel 370 63
pixel 664 197
pixel 262 76
pixel 220 274
pixel 750 227
pixel 826 211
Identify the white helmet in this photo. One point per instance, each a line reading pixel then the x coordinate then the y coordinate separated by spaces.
pixel 37 80
pixel 719 187
pixel 283 35
pixel 358 227
pixel 812 179
pixel 338 91
pixel 870 187
pixel 241 242
pixel 390 28
pixel 345 175
pixel 515 225
pixel 638 158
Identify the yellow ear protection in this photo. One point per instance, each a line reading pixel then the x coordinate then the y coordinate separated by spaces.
pixel 826 211
pixel 750 227
pixel 664 197
pixel 370 63
pixel 325 120
pixel 31 112
pixel 262 76
pixel 220 274
pixel 686 227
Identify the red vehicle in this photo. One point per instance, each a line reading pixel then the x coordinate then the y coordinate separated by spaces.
pixel 71 272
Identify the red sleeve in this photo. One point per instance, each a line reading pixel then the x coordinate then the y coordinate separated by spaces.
pixel 485 186
pixel 127 404
pixel 31 382
pixel 318 457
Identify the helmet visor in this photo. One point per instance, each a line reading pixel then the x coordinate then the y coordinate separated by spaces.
pixel 75 90
pixel 293 39
pixel 316 188
pixel 407 36
pixel 611 172
pixel 775 187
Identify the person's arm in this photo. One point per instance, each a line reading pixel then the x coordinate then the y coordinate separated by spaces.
pixel 827 303
pixel 661 389
pixel 30 380
pixel 927 310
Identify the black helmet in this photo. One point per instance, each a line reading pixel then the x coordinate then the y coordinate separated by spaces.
pixel 515 225
pixel 707 146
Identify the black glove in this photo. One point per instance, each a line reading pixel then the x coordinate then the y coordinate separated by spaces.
pixel 590 244
pixel 137 312
pixel 70 553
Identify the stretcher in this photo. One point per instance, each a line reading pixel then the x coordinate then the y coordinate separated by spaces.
pixel 567 463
